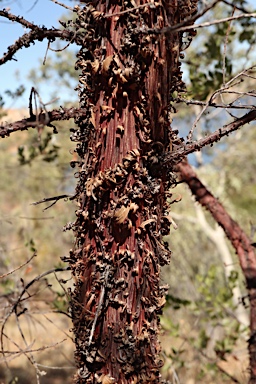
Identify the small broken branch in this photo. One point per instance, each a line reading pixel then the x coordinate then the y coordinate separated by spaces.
pixel 54 199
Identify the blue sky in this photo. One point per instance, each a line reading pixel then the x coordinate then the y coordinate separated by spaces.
pixel 44 12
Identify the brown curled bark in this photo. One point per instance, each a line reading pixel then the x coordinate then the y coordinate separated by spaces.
pixel 125 83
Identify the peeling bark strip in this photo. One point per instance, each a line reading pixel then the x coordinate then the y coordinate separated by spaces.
pixel 125 82
pixel 240 242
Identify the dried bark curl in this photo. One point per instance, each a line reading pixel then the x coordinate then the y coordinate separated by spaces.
pixel 125 85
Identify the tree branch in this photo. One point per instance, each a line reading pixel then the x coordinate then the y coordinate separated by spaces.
pixel 184 150
pixel 239 240
pixel 41 120
pixel 188 24
pixel 18 19
pixel 180 99
pixel 36 34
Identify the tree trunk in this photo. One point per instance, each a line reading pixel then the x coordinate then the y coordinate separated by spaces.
pixel 241 244
pixel 126 78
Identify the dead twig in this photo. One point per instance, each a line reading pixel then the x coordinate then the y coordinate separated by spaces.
pixel 19 299
pixel 62 5
pixel 55 198
pixel 186 26
pixel 19 267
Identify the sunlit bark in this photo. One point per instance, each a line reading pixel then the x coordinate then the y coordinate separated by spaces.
pixel 126 78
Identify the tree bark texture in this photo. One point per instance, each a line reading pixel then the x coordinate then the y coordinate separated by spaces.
pixel 126 76
pixel 240 242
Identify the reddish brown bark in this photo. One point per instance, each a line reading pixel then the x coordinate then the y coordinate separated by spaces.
pixel 126 77
pixel 240 242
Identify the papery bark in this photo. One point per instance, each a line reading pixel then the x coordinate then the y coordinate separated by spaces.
pixel 125 82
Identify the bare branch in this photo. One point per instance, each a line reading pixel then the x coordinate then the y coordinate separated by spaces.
pixel 19 267
pixel 239 240
pixel 41 120
pixel 62 5
pixel 185 150
pixel 236 6
pixel 37 34
pixel 54 199
pixel 180 99
pixel 21 351
pixel 186 26
pixel 19 299
pixel 18 19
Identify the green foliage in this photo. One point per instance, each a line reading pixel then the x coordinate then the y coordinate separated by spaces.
pixel 239 163
pixel 176 302
pixel 60 302
pixel 2 113
pixel 248 32
pixel 44 148
pixel 218 47
pixel 30 244
pixel 206 77
pixel 7 285
pixel 17 93
pixel 214 300
pixel 211 311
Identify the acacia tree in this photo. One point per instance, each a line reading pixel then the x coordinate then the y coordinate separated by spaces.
pixel 127 158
